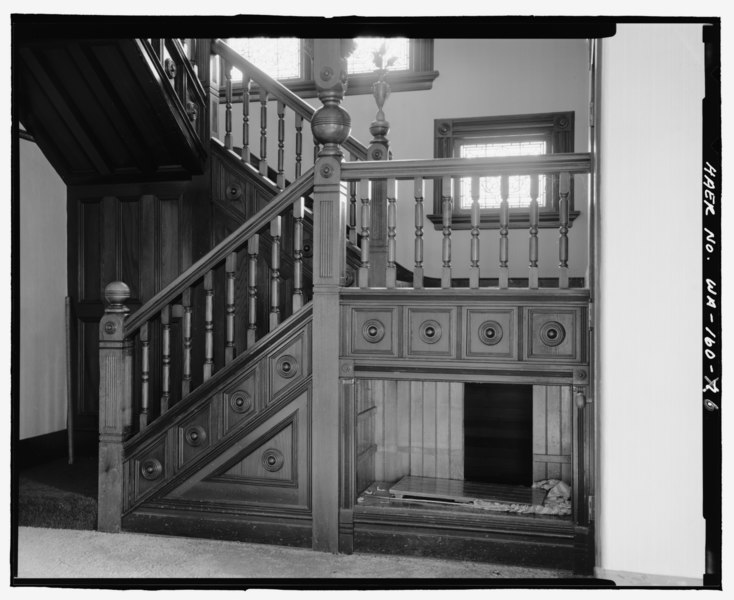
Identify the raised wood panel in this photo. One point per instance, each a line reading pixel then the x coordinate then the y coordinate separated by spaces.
pixel 552 433
pixel 371 331
pixel 144 236
pixel 237 476
pixel 430 331
pixel 288 366
pixel 242 399
pixel 195 435
pixel 491 334
pixel 554 334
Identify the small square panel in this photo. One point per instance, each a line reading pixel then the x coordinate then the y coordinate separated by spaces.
pixel 430 331
pixel 288 366
pixel 553 334
pixel 491 333
pixel 240 400
pixel 194 435
pixel 373 331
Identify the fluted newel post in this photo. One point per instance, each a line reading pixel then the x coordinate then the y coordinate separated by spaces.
pixel 504 279
pixel 230 269
pixel 474 249
pixel 115 405
pixel 298 214
pixel 533 272
pixel 564 185
pixel 166 358
pixel 275 232
pixel 364 244
pixel 253 249
pixel 245 118
pixel 379 149
pixel 208 324
pixel 330 126
pixel 418 269
pixel 392 219
pixel 446 208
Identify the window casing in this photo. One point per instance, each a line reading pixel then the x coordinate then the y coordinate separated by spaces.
pixel 418 75
pixel 522 135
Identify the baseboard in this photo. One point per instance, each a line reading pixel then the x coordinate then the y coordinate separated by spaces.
pixel 633 579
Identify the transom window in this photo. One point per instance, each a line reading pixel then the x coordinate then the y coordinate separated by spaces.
pixel 489 187
pixel 290 61
pixel 510 135
pixel 278 57
pixel 361 60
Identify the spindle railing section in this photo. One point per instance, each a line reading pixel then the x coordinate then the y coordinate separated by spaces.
pixel 359 176
pixel 258 143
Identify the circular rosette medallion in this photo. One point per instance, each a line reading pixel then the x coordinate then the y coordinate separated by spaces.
pixel 430 331
pixel 373 331
pixel 272 460
pixel 490 333
pixel 552 333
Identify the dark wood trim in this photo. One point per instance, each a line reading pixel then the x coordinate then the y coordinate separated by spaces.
pixel 259 528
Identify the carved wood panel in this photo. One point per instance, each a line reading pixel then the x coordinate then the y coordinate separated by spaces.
pixel 491 334
pixel 554 334
pixel 430 331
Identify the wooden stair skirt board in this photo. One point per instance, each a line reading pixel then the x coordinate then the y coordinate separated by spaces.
pixel 263 528
pixel 465 492
pixel 502 539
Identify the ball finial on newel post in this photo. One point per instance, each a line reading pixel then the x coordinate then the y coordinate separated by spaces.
pixel 331 123
pixel 116 293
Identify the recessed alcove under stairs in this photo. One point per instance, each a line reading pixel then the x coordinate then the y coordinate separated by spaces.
pixel 474 448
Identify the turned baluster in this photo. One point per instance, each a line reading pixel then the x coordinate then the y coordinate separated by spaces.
pixel 364 244
pixel 446 243
pixel 392 218
pixel 504 279
pixel 418 270
pixel 228 105
pixel 188 310
pixel 280 181
pixel 208 324
pixel 253 248
pixel 245 119
pixel 564 185
pixel 144 376
pixel 275 273
pixel 166 359
pixel 474 249
pixel 533 274
pixel 352 216
pixel 299 144
pixel 230 269
pixel 298 212
pixel 263 133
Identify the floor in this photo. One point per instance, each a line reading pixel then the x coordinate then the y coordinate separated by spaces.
pixel 66 553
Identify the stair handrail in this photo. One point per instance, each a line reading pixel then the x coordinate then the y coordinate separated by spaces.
pixel 236 240
pixel 280 92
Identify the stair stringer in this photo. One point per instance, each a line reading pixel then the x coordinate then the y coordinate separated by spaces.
pixel 254 411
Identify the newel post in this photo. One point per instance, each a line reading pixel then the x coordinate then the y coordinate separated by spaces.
pixel 115 404
pixel 330 127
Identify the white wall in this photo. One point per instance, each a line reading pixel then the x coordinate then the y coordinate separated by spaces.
pixel 43 285
pixel 650 497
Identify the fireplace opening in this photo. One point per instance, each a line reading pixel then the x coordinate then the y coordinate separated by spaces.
pixel 498 433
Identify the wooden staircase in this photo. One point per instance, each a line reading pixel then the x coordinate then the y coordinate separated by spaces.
pixel 233 402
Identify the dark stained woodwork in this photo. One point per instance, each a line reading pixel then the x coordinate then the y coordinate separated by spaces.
pixel 103 112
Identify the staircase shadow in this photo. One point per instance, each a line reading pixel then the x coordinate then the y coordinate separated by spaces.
pixel 59 495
